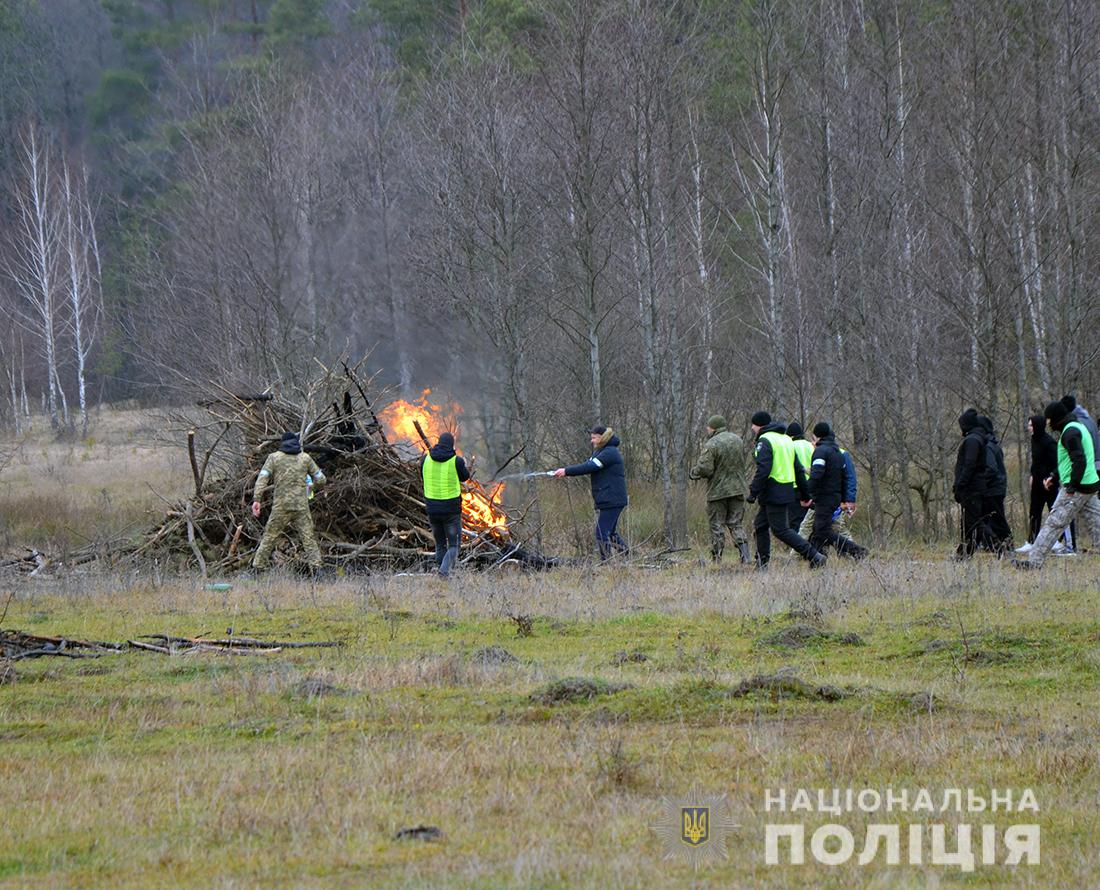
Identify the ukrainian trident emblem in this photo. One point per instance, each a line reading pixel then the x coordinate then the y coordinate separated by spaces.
pixel 696 825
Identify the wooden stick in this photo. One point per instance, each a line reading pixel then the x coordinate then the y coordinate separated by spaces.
pixel 194 463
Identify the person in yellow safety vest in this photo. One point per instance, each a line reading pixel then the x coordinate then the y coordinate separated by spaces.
pixel 1080 480
pixel 803 452
pixel 779 482
pixel 443 473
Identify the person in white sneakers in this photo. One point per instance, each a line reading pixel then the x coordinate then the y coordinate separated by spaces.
pixel 1080 484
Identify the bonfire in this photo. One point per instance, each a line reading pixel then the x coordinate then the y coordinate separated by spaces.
pixel 370 515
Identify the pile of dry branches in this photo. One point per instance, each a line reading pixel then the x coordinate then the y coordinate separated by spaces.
pixel 368 516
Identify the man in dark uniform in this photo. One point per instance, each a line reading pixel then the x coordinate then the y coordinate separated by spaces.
pixel 778 483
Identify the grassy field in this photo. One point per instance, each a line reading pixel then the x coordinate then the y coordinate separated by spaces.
pixel 440 708
pixel 297 769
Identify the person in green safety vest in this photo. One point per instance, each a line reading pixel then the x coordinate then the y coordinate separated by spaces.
pixel 779 482
pixel 803 452
pixel 443 473
pixel 1080 484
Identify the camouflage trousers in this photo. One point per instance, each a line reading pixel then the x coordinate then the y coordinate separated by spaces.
pixel 726 514
pixel 1067 508
pixel 840 524
pixel 282 520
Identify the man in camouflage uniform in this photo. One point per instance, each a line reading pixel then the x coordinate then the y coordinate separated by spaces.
pixel 722 462
pixel 290 470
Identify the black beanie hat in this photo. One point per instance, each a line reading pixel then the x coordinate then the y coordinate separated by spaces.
pixel 761 418
pixel 1070 402
pixel 1056 413
pixel 822 429
pixel 794 429
pixel 447 440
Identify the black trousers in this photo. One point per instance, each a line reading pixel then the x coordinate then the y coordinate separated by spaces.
pixel 447 531
pixel 1040 498
pixel 797 513
pixel 975 531
pixel 775 519
pixel 999 528
pixel 825 534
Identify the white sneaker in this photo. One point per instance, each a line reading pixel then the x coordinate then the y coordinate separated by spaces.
pixel 1024 548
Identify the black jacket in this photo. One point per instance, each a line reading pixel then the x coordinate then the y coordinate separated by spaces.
pixel 608 473
pixel 828 473
pixel 1072 442
pixel 1044 452
pixel 765 489
pixel 450 506
pixel 970 477
pixel 996 476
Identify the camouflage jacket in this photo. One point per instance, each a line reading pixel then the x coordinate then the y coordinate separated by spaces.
pixel 724 464
pixel 287 472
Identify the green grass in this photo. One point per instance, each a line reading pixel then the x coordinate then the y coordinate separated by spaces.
pixel 199 770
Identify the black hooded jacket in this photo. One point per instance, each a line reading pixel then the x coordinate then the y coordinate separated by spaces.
pixel 765 489
pixel 450 506
pixel 1044 452
pixel 828 472
pixel 970 477
pixel 996 476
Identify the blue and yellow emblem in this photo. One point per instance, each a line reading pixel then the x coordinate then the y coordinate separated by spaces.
pixel 695 829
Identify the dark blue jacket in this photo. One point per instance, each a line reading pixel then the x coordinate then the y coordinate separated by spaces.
pixel 849 479
pixel 608 475
pixel 828 480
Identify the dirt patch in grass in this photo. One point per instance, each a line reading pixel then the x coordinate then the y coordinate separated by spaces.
pixel 799 635
pixel 316 687
pixel 785 685
pixel 575 689
pixel 493 656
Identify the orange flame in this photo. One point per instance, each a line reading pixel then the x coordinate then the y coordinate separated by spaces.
pixel 481 509
pixel 400 418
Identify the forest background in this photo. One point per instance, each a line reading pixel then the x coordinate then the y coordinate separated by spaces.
pixel 555 212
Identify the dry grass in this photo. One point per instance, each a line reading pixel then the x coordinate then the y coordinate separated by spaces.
pixel 297 769
pixel 56 494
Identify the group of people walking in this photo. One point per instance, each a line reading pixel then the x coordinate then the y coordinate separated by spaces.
pixel 805 489
pixel 1063 478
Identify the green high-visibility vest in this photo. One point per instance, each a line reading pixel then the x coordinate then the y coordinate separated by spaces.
pixel 440 479
pixel 805 452
pixel 782 457
pixel 1065 465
